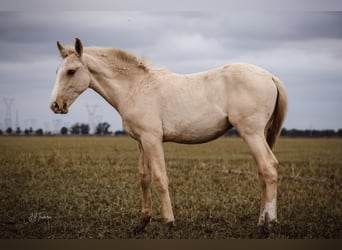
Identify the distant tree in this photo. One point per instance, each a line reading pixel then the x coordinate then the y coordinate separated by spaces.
pixel 102 128
pixel 39 131
pixel 75 129
pixel 328 133
pixel 18 131
pixel 9 130
pixel 339 132
pixel 64 130
pixel 1 132
pixel 78 129
pixel 283 132
pixel 28 131
pixel 84 129
pixel 120 133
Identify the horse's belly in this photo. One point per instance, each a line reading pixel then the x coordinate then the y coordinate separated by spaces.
pixel 200 130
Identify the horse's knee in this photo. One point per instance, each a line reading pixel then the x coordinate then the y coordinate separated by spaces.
pixel 161 183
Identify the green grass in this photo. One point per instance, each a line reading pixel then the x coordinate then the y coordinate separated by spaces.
pixel 88 187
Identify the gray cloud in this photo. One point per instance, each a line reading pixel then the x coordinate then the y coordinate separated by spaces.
pixel 302 48
pixel 155 5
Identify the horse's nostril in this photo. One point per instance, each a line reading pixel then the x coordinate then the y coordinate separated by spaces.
pixel 54 106
pixel 65 108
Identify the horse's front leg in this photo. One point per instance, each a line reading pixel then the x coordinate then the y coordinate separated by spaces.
pixel 145 180
pixel 154 156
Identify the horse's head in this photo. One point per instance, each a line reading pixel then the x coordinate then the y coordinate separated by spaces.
pixel 72 78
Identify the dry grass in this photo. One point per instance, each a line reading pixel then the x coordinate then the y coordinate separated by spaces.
pixel 88 187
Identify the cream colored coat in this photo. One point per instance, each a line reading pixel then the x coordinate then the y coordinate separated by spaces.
pixel 157 105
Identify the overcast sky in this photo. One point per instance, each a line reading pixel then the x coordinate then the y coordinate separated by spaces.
pixel 302 48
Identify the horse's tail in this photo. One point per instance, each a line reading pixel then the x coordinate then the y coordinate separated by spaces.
pixel 273 127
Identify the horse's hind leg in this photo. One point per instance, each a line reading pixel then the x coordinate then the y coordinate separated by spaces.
pixel 267 166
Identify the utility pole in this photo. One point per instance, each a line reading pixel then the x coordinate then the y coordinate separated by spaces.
pixel 8 112
pixel 91 116
pixel 17 125
pixel 57 126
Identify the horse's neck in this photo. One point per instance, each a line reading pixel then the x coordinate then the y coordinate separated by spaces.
pixel 110 86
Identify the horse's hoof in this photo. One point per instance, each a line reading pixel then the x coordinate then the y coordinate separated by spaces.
pixel 267 227
pixel 141 227
pixel 167 228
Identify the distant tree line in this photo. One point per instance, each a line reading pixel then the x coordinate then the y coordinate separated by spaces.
pixel 103 129
pixel 18 131
pixel 311 133
pixel 300 133
pixel 76 129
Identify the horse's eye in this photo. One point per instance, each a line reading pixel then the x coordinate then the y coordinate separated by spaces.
pixel 71 72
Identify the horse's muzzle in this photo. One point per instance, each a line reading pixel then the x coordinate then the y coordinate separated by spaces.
pixel 57 109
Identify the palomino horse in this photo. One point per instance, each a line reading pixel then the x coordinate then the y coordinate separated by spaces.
pixel 157 105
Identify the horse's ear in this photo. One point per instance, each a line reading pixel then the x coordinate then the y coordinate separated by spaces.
pixel 78 47
pixel 62 50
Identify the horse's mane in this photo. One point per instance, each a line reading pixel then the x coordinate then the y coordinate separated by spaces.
pixel 113 56
pixel 130 58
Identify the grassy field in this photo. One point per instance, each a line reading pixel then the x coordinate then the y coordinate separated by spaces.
pixel 88 187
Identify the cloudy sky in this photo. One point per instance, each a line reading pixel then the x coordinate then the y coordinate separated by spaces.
pixel 302 48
